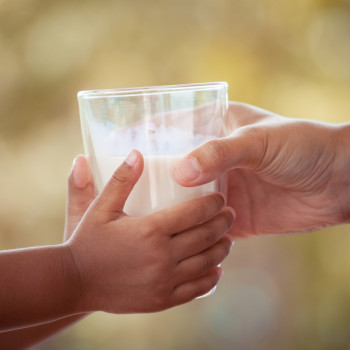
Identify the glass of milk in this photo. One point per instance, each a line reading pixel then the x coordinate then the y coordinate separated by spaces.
pixel 164 123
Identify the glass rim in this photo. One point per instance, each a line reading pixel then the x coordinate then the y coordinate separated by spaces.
pixel 151 90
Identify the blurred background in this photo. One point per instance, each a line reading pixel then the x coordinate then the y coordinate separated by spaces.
pixel 292 57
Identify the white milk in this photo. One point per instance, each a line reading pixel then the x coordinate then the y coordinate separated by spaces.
pixel 156 189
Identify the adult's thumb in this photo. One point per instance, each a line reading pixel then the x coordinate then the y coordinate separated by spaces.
pixel 117 190
pixel 243 149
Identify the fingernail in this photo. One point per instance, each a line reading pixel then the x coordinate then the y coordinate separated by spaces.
pixel 79 174
pixel 233 212
pixel 220 272
pixel 231 241
pixel 131 159
pixel 188 169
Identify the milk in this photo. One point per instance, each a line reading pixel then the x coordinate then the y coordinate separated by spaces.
pixel 156 189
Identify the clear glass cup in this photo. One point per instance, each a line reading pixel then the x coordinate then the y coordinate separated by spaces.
pixel 164 123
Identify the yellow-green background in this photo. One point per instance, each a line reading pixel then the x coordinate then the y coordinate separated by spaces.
pixel 292 57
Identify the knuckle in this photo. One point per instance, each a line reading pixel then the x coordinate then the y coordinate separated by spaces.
pixel 147 227
pixel 151 226
pixel 120 177
pixel 216 150
pixel 218 201
pixel 206 206
pixel 212 203
pixel 159 303
pixel 213 281
pixel 225 247
pixel 258 139
pixel 208 263
pixel 196 209
pixel 250 131
pixel 162 288
pixel 147 233
pixel 228 219
pixel 209 236
pixel 159 298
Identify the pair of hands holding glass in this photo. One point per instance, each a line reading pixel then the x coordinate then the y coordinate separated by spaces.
pixel 285 176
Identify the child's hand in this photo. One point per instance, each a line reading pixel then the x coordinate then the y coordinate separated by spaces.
pixel 146 264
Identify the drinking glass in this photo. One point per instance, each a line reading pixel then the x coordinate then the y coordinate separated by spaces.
pixel 164 123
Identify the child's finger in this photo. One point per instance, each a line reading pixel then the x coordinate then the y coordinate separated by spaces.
pixel 189 290
pixel 80 194
pixel 200 264
pixel 188 214
pixel 201 237
pixel 117 190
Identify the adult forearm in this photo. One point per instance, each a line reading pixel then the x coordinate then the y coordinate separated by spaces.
pixel 38 285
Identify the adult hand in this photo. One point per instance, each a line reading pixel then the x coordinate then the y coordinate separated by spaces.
pixel 285 175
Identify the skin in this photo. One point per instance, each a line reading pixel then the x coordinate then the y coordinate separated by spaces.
pixel 113 262
pixel 285 175
pixel 79 197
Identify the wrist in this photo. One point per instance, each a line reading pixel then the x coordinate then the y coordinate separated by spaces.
pixel 35 277
pixel 74 281
pixel 342 170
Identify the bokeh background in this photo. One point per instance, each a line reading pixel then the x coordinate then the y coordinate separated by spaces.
pixel 292 57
